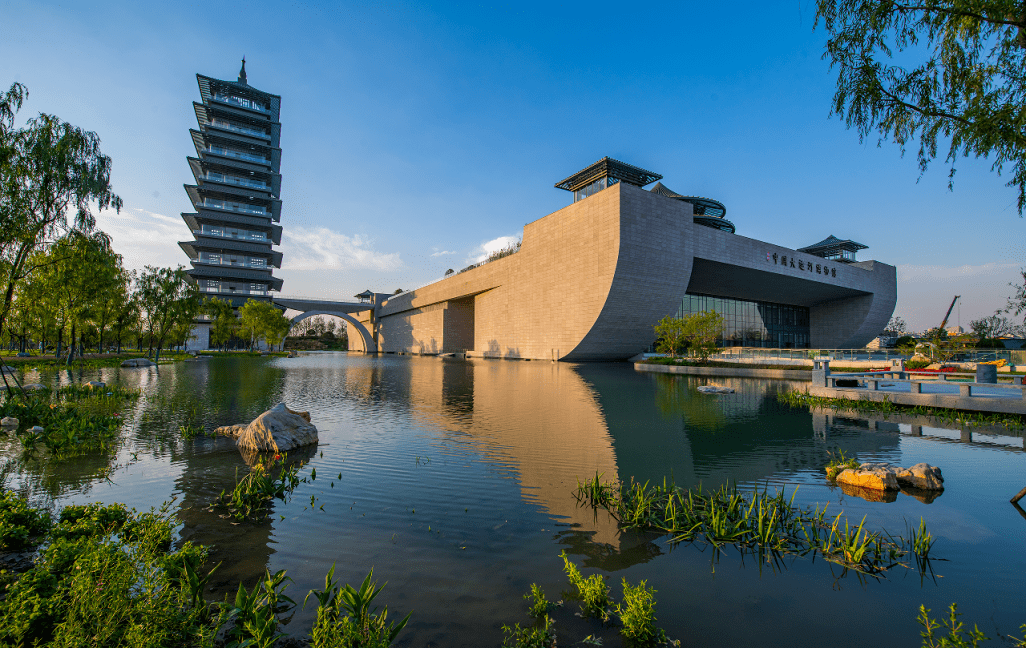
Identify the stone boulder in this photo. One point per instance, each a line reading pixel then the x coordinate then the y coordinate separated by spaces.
pixel 279 429
pixel 33 387
pixel 137 362
pixel 922 476
pixel 715 389
pixel 9 422
pixel 95 384
pixel 874 476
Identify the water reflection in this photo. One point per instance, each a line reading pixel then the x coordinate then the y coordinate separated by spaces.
pixel 453 479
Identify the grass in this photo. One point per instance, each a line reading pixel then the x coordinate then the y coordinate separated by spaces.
pixel 90 361
pixel 75 419
pixel 252 494
pixel 796 398
pixel 760 523
pixel 20 524
pixel 839 464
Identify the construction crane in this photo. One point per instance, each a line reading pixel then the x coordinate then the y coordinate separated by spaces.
pixel 948 314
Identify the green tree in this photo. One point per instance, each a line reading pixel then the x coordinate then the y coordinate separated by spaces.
pixel 670 336
pixel 701 330
pixel 223 321
pixel 168 302
pixel 943 72
pixel 1017 302
pixel 261 319
pixel 52 175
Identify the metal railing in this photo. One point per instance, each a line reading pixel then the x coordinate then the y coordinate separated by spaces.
pixel 235 180
pixel 232 153
pixel 238 129
pixel 1011 356
pixel 233 206
pixel 239 101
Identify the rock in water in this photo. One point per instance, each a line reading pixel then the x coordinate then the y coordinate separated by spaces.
pixel 279 429
pixel 95 384
pixel 875 476
pixel 137 362
pixel 922 476
pixel 714 389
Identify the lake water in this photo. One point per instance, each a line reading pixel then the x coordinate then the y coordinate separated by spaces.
pixel 453 480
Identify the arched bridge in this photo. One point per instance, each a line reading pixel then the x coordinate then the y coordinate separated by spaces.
pixel 309 307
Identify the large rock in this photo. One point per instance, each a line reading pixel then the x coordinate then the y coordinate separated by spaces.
pixel 279 429
pixel 137 362
pixel 922 476
pixel 874 476
pixel 9 422
pixel 95 384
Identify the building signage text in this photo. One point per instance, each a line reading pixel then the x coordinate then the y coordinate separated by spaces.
pixel 801 264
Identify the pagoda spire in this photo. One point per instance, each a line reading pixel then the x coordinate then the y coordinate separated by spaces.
pixel 242 72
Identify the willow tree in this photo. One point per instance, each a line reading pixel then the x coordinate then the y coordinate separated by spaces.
pixel 941 73
pixel 52 175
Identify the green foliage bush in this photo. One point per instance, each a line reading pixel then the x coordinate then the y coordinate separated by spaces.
pixel 19 522
pixel 106 578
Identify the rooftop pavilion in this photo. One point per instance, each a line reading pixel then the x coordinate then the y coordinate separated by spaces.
pixel 605 173
pixel 834 249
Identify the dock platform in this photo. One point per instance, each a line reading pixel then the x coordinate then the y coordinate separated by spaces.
pixel 903 388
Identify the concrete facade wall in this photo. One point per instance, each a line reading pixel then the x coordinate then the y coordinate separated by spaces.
pixel 591 280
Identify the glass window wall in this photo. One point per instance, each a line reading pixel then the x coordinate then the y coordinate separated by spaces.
pixel 754 323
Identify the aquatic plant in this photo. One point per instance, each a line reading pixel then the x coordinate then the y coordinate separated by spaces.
pixel 539 604
pixel 637 615
pixel 75 419
pixel 592 591
pixel 360 626
pixel 839 464
pixel 252 620
pixel 20 523
pixel 753 522
pixel 953 637
pixel 252 494
pixel 540 636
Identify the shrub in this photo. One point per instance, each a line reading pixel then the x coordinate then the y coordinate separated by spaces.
pixel 637 614
pixel 20 523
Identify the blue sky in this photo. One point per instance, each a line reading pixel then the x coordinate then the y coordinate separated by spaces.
pixel 415 135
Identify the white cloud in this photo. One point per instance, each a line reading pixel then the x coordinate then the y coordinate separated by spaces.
pixel 481 252
pixel 145 238
pixel 322 249
pixel 443 252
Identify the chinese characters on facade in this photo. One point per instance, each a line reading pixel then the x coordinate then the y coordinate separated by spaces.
pixel 802 264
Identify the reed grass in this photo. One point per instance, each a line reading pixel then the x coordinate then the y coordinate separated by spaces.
pixel 753 522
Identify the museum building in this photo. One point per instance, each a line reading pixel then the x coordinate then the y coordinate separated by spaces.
pixel 591 280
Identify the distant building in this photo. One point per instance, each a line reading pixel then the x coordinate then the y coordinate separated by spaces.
pixel 954 330
pixel 236 195
pixel 591 280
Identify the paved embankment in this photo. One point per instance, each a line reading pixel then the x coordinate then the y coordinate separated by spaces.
pixel 744 372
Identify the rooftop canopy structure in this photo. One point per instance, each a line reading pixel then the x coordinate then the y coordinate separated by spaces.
pixel 708 212
pixel 834 249
pixel 605 173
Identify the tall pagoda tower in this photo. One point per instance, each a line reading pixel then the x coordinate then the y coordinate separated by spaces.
pixel 235 198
